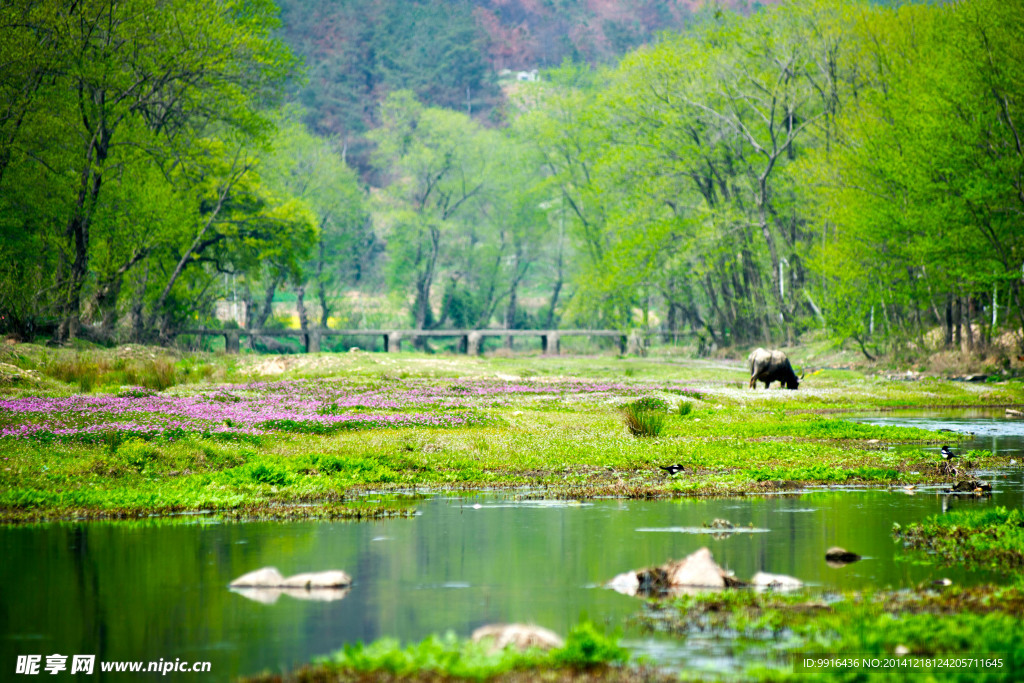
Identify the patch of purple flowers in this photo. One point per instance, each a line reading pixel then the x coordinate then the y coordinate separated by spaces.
pixel 316 406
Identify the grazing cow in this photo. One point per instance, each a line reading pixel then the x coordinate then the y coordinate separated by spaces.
pixel 771 366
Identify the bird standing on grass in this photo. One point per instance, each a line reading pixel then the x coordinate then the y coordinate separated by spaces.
pixel 672 469
pixel 947 454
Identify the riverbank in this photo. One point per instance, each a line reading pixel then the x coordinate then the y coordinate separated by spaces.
pixel 281 437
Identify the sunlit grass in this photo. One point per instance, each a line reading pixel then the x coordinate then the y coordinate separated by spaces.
pixel 500 423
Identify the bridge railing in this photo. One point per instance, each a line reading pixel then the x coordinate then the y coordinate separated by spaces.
pixel 471 340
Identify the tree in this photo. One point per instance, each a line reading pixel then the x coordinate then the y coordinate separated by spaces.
pixel 437 164
pixel 924 186
pixel 130 74
pixel 311 169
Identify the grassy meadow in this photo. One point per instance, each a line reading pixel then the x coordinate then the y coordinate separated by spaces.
pixel 137 431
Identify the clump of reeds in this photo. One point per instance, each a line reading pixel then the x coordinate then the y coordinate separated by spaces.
pixel 156 374
pixel 645 416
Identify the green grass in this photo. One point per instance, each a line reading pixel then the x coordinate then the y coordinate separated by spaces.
pixel 730 439
pixel 645 417
pixel 957 622
pixel 586 649
pixel 992 537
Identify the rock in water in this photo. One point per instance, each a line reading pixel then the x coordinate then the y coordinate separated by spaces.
pixel 520 636
pixel 627 584
pixel 776 581
pixel 698 570
pixel 334 578
pixel 840 556
pixel 267 577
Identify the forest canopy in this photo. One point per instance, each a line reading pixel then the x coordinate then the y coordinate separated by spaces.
pixel 735 177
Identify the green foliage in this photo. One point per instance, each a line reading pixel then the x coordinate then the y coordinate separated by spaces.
pixel 992 537
pixel 645 417
pixel 587 647
pixel 168 100
pixel 137 454
pixel 445 655
pixel 265 472
pixel 823 472
pixel 650 403
pixel 125 377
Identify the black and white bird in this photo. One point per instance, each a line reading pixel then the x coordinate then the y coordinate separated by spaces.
pixel 672 469
pixel 947 454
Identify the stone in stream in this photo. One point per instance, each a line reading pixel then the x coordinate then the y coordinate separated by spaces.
pixel 776 581
pixel 969 486
pixel 840 557
pixel 334 578
pixel 627 583
pixel 698 570
pixel 269 577
pixel 268 596
pixel 522 637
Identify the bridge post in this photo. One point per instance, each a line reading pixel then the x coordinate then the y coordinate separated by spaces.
pixel 392 342
pixel 550 340
pixel 313 341
pixel 464 344
pixel 231 343
pixel 622 344
pixel 474 343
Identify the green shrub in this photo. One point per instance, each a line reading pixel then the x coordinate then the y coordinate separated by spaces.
pixel 642 420
pixel 586 647
pixel 267 473
pixel 685 408
pixel 650 403
pixel 137 454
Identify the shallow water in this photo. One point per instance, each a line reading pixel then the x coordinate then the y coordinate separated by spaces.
pixel 158 589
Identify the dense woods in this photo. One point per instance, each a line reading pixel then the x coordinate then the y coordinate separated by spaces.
pixel 722 176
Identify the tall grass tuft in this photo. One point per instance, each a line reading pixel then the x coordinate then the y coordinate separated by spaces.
pixel 642 419
pixel 88 373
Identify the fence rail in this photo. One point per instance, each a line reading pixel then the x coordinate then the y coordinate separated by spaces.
pixel 471 340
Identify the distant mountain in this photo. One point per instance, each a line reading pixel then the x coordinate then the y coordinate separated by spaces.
pixel 450 51
pixel 525 34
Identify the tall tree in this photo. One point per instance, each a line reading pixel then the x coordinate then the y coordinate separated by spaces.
pixel 135 73
pixel 438 168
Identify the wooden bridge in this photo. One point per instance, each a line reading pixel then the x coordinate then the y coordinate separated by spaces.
pixel 471 341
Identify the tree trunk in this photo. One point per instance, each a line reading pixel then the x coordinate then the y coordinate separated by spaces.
pixel 77 232
pixel 321 290
pixel 106 302
pixel 300 307
pixel 510 311
pixel 136 314
pixel 958 321
pixel 948 340
pixel 423 316
pixel 967 323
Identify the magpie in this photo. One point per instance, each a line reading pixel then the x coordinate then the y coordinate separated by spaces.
pixel 947 454
pixel 672 469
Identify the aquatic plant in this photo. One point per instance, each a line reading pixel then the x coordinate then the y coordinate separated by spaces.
pixel 992 537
